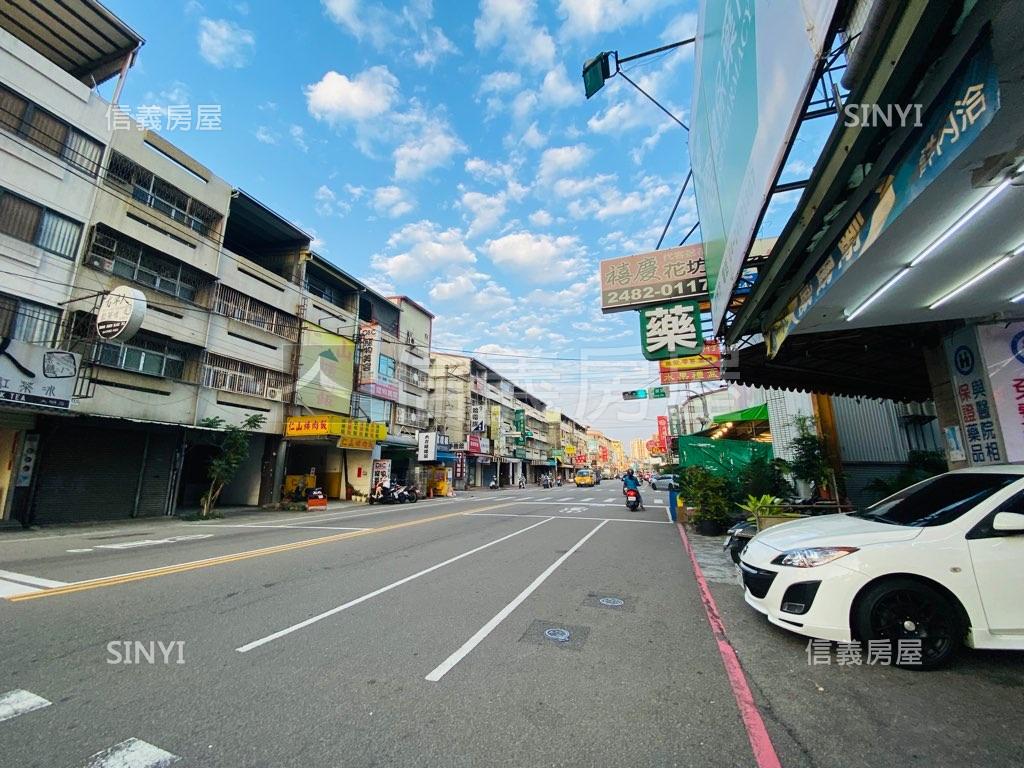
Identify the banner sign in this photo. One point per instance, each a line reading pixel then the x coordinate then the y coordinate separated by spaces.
pixel 974 402
pixel 741 120
pixel 1002 347
pixel 369 353
pixel 330 425
pixel 671 330
pixel 580 460
pixel 967 104
pixel 494 428
pixel 473 443
pixel 635 281
pixel 663 433
pixel 32 375
pixel 426 446
pixel 707 366
pixel 325 370
pixel 675 422
pixel 381 470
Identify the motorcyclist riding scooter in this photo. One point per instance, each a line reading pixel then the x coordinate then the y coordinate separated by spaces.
pixel 630 482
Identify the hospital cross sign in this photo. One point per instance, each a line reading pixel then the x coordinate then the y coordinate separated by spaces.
pixel 671 330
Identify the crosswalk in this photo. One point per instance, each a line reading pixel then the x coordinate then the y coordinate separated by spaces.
pixel 12 584
pixel 130 753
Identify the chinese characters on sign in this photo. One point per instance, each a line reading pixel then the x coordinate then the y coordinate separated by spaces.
pixel 963 114
pixel 706 366
pixel 173 117
pixel 31 375
pixel 1002 348
pixel 873 653
pixel 426 449
pixel 671 330
pixel 653 278
pixel 974 403
pixel 663 434
pixel 331 425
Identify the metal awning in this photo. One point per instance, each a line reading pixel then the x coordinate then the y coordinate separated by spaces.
pixel 80 36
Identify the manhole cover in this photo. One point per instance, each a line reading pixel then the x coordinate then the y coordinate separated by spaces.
pixel 612 602
pixel 557 634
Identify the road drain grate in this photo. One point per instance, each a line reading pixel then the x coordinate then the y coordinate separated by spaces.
pixel 553 634
pixel 614 601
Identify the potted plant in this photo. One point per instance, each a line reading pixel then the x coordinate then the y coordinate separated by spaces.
pixel 710 497
pixel 766 510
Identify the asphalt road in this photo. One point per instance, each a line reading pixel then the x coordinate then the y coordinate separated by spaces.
pixel 415 635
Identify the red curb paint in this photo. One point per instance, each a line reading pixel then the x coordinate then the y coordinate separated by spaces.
pixel 760 741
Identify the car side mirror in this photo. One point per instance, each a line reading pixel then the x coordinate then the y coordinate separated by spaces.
pixel 1009 522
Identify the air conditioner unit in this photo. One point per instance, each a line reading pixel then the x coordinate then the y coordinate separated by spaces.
pixel 275 393
pixel 100 262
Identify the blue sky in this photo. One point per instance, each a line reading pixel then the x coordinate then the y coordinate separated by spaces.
pixel 447 152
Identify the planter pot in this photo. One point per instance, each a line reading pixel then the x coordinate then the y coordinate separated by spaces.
pixel 710 528
pixel 767 521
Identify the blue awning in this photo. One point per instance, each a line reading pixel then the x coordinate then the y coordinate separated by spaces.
pixel 445 456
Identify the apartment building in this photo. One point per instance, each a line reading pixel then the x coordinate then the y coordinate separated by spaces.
pixel 54 135
pixel 568 442
pixel 415 324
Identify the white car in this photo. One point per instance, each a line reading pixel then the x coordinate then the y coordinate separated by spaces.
pixel 941 562
pixel 663 483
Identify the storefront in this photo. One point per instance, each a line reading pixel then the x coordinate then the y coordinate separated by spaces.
pixel 331 452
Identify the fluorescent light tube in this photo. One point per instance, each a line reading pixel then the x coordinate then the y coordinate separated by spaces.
pixel 873 297
pixel 977 278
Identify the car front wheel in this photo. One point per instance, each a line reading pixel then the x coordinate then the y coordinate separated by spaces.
pixel 904 615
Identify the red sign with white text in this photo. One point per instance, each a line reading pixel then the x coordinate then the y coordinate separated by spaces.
pixel 663 433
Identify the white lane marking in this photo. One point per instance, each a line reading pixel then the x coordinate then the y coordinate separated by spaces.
pixel 77 551
pixel 132 753
pixel 32 581
pixel 370 595
pixel 18 702
pixel 154 542
pixel 567 498
pixel 445 666
pixel 574 517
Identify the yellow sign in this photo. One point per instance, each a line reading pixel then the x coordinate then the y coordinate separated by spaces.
pixel 709 358
pixel 358 443
pixel 495 425
pixel 329 425
pixel 570 450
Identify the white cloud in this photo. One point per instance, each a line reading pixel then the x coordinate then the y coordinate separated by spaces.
pixel 354 191
pixel 368 94
pixel 523 104
pixel 495 173
pixel 682 27
pixel 585 18
pixel 511 25
pixel 432 144
pixel 392 201
pixel 435 45
pixel 538 257
pixel 299 137
pixel 421 248
pixel 372 23
pixel 225 44
pixel 541 218
pixel 557 161
pixel 556 90
pixel 266 136
pixel 575 187
pixel 486 211
pixel 472 290
pixel 500 82
pixel 328 204
pixel 533 138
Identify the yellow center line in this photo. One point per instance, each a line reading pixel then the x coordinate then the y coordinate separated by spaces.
pixel 152 573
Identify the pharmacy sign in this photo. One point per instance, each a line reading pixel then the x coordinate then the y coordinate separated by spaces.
pixel 671 330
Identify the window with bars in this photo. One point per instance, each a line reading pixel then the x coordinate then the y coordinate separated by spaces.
pixel 27 321
pixel 152 191
pixel 32 223
pixel 246 309
pixel 146 354
pixel 236 376
pixel 119 254
pixel 409 375
pixel 366 407
pixel 411 417
pixel 27 120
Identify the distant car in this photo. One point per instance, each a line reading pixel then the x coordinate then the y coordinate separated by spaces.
pixel 584 477
pixel 938 564
pixel 664 483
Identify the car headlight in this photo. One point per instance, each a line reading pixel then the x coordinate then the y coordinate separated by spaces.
pixel 810 557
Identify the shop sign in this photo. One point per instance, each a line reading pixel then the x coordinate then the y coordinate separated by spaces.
pixel 558 453
pixel 121 313
pixel 579 460
pixel 473 443
pixel 32 375
pixel 603 454
pixel 460 465
pixel 1002 347
pixel 381 470
pixel 663 433
pixel 485 445
pixel 973 397
pixel 325 370
pixel 675 422
pixel 357 443
pixel 630 282
pixel 369 353
pixel 494 428
pixel 520 453
pixel 570 450
pixel 519 420
pixel 333 425
pixel 967 104
pixel 426 443
pixel 671 330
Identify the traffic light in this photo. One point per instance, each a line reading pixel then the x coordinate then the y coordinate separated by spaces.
pixel 635 394
pixel 659 392
pixel 595 72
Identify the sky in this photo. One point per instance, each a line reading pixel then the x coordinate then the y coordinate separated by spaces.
pixel 446 152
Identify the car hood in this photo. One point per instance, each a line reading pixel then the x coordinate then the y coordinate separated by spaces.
pixel 833 531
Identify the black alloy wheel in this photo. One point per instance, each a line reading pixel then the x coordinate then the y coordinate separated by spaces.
pixel 904 609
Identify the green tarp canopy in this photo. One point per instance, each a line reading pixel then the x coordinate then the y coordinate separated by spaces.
pixel 753 413
pixel 722 457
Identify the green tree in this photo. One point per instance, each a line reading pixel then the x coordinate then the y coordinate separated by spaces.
pixel 763 476
pixel 810 455
pixel 232 450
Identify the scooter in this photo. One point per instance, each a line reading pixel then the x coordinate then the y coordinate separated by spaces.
pixel 382 494
pixel 522 483
pixel 558 482
pixel 632 499
pixel 737 538
pixel 546 483
pixel 404 493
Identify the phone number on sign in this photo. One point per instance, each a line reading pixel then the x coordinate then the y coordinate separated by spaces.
pixel 685 289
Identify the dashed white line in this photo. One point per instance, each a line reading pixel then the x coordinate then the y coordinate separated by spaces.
pixel 445 666
pixel 132 753
pixel 370 595
pixel 18 702
pixel 574 517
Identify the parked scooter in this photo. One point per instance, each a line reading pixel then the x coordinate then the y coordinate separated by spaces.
pixel 558 482
pixel 546 482
pixel 522 482
pixel 737 538
pixel 404 493
pixel 382 493
pixel 632 499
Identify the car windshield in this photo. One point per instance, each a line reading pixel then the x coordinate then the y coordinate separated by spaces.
pixel 937 501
